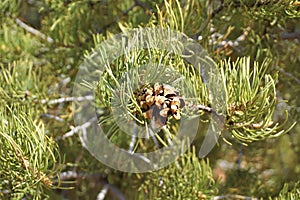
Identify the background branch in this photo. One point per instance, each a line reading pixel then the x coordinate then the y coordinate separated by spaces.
pixel 33 31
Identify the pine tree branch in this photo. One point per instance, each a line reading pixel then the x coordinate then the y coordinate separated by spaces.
pixel 102 194
pixel 136 3
pixel 66 99
pixel 289 75
pixel 237 4
pixel 82 128
pixel 75 175
pixel 142 5
pixel 51 117
pixel 34 31
pixel 290 36
pixel 114 191
pixel 234 196
pixel 133 139
pixel 204 108
pixel 64 176
pixel 219 9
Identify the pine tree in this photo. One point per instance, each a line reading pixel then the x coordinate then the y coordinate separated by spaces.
pixel 254 44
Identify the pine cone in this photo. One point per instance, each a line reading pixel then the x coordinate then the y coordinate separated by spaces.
pixel 159 102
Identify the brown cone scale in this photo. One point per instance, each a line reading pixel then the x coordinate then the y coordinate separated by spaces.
pixel 159 102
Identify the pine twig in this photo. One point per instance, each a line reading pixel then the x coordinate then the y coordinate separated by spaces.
pixel 34 31
pixel 289 75
pixel 234 196
pixel 142 5
pixel 75 175
pixel 133 139
pixel 114 191
pixel 236 4
pixel 107 187
pixel 102 194
pixel 290 36
pixel 204 108
pixel 66 99
pixel 51 117
pixel 117 18
pixel 69 175
pixel 82 127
